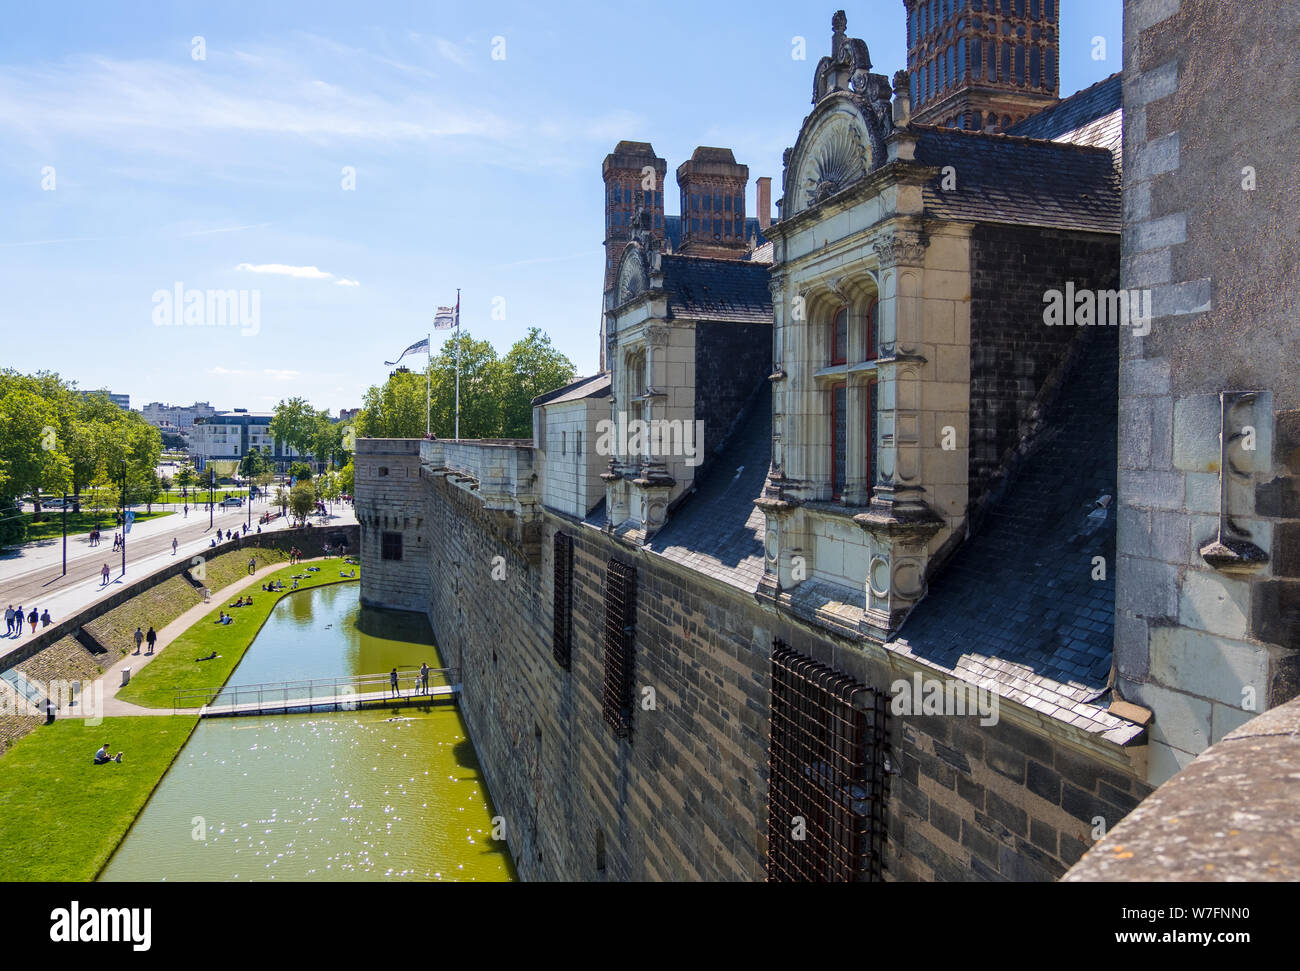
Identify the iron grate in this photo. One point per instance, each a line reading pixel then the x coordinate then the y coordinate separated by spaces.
pixel 620 636
pixel 826 774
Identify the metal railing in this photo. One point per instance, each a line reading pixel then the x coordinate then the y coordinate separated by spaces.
pixel 343 693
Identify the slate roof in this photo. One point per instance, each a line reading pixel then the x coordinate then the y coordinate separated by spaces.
pixel 1020 181
pixel 718 530
pixel 1093 116
pixel 709 289
pixel 596 386
pixel 1016 609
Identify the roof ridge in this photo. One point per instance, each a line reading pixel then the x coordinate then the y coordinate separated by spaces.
pixel 1025 139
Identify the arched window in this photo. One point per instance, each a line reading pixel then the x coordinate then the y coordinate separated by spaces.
pixel 840 336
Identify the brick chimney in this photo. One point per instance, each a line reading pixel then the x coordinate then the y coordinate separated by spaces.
pixel 713 203
pixel 764 191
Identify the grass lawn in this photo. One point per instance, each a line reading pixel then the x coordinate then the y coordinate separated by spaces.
pixel 161 604
pixel 61 816
pixel 175 667
pixel 51 524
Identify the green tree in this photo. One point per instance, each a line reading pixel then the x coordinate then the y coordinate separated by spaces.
pixel 300 471
pixel 30 449
pixel 395 409
pixel 294 423
pixel 281 500
pixel 13 526
pixel 328 488
pixel 531 367
pixel 254 463
pixel 347 479
pixel 302 500
pixel 480 383
pixel 186 478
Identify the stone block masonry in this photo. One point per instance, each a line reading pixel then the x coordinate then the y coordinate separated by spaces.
pixel 390 511
pixel 1211 228
pixel 684 797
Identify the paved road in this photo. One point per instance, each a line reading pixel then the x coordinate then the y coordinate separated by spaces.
pixel 32 575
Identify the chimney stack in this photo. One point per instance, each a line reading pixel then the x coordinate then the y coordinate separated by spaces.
pixel 713 204
pixel 764 188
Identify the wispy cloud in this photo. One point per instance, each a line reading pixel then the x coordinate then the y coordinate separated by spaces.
pixel 344 282
pixel 284 269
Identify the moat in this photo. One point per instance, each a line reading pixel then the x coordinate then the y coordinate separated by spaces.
pixel 378 794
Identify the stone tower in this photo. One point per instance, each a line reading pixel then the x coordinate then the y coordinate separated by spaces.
pixel 713 204
pixel 982 65
pixel 634 179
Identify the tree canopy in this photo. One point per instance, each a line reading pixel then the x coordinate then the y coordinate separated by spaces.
pixel 55 438
pixel 496 393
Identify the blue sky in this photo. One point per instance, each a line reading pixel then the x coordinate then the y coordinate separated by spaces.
pixel 226 172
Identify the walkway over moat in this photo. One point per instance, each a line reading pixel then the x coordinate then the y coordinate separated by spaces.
pixel 323 694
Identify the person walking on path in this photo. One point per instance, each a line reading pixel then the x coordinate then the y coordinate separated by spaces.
pixel 139 638
pixel 45 617
pixel 32 618
pixel 152 638
pixel 174 545
pixel 9 620
pixel 424 678
pixel 187 512
pixel 392 680
pixel 18 620
pixel 103 576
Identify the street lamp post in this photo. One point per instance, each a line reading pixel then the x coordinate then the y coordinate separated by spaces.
pixel 212 490
pixel 65 534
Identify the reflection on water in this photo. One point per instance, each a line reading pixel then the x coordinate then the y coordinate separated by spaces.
pixel 337 796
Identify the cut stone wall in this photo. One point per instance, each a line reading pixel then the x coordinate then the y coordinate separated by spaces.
pixel 1212 229
pixel 685 796
pixel 389 499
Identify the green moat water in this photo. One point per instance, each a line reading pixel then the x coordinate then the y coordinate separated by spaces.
pixel 334 796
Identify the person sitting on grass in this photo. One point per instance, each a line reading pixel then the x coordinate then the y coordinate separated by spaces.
pixel 103 758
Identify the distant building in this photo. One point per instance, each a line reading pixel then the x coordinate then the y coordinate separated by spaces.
pixel 229 435
pixel 123 401
pixel 181 416
pixel 347 414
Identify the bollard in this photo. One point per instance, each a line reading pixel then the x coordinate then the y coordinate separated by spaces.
pixel 126 677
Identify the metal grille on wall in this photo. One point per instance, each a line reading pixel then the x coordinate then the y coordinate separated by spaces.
pixel 562 631
pixel 620 635
pixel 826 774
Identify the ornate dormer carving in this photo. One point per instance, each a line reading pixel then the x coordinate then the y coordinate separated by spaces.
pixel 848 64
pixel 633 278
pixel 837 161
pixel 844 137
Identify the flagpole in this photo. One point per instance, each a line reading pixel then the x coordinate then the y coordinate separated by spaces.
pixel 458 364
pixel 428 382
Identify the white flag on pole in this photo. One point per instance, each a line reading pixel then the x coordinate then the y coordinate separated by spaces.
pixel 420 345
pixel 445 318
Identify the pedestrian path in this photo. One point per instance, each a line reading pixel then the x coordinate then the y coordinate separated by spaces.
pixel 112 678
